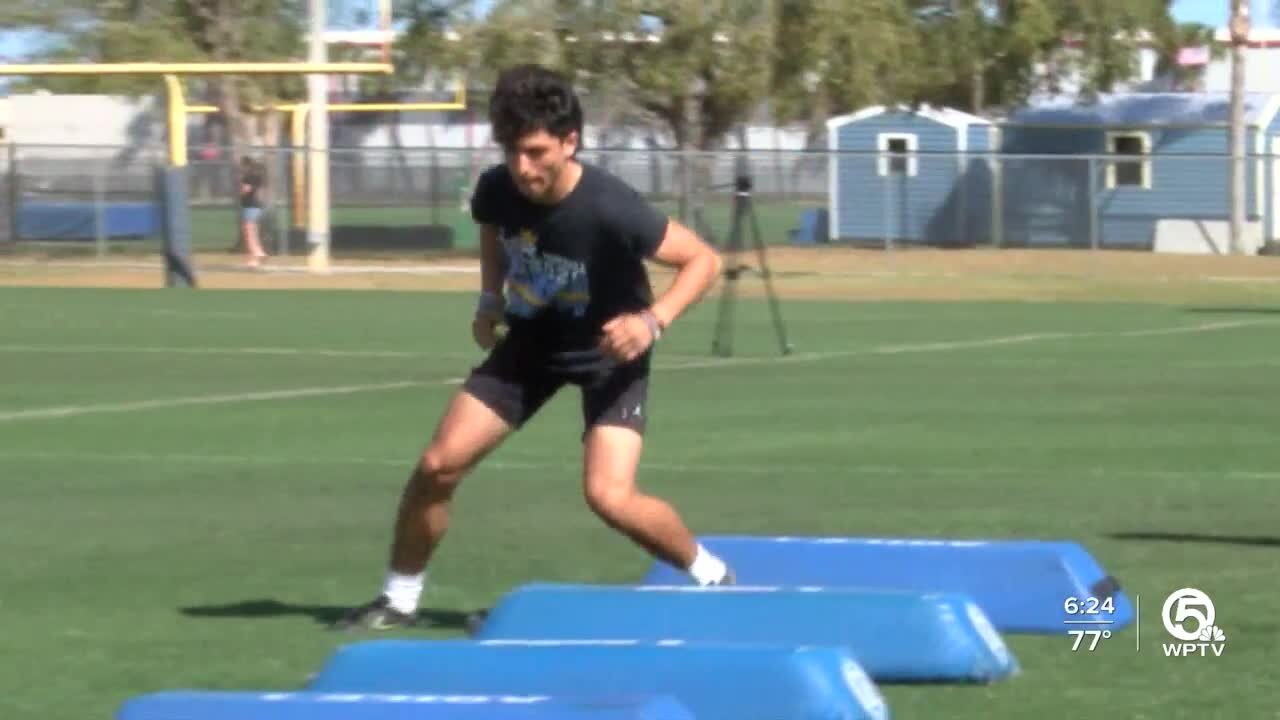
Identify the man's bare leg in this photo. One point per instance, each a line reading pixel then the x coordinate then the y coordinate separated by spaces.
pixel 611 459
pixel 468 431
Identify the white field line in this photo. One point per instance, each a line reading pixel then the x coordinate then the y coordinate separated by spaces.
pixel 33 308
pixel 690 467
pixel 165 312
pixel 164 350
pixel 966 344
pixel 692 361
pixel 160 403
pixel 336 269
pixel 1243 279
pixel 258 351
pixel 473 268
pixel 78 410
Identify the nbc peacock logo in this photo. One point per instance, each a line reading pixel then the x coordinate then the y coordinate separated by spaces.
pixel 1190 616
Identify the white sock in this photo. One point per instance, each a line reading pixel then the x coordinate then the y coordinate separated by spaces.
pixel 404 590
pixel 707 568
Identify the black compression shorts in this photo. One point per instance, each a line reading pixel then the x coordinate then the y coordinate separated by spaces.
pixel 515 381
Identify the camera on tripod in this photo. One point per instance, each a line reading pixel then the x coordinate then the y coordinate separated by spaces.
pixel 743 212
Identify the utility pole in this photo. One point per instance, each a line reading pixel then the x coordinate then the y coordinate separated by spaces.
pixel 1239 26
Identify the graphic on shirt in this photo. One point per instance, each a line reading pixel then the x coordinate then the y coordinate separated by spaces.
pixel 539 280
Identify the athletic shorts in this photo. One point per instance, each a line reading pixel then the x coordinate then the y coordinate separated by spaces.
pixel 516 384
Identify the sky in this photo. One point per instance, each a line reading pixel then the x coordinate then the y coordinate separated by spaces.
pixel 1214 12
pixel 1209 12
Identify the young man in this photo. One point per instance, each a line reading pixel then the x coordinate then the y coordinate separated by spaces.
pixel 567 241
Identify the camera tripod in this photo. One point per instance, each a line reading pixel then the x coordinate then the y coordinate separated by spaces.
pixel 743 212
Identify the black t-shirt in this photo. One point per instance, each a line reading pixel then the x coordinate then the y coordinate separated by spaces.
pixel 572 266
pixel 251 182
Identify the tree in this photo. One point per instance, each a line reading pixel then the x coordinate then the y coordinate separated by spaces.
pixel 837 56
pixel 428 40
pixel 698 66
pixel 1171 40
pixel 178 31
pixel 245 31
pixel 1105 34
pixel 998 52
pixel 24 14
pixel 102 31
pixel 986 52
pixel 701 68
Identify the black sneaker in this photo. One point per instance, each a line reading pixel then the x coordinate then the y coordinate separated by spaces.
pixel 377 615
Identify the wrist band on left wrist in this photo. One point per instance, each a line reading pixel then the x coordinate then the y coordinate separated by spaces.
pixel 655 325
pixel 488 302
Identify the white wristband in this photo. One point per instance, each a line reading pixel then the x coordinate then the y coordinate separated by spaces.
pixel 655 327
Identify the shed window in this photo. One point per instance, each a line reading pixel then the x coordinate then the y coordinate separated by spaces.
pixel 897 154
pixel 1129 173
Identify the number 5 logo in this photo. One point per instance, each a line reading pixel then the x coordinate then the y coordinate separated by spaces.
pixel 1187 604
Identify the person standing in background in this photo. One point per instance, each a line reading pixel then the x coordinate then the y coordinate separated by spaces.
pixel 252 179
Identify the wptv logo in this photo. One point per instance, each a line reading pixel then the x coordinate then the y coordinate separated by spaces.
pixel 1188 615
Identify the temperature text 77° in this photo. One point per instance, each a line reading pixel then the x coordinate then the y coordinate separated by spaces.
pixel 1093 635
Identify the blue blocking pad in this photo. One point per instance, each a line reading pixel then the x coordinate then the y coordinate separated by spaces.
pixel 188 705
pixel 1024 586
pixel 895 636
pixel 715 682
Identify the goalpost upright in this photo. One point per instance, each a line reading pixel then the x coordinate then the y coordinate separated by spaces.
pixel 318 230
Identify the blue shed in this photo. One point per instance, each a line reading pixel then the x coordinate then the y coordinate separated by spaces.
pixel 1123 170
pixel 912 176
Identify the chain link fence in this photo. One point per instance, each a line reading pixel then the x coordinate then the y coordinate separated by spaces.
pixel 82 195
pixel 416 199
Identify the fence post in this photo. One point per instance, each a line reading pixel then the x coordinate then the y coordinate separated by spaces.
pixel 1269 232
pixel 1093 203
pixel 962 236
pixel 997 199
pixel 433 195
pixel 15 195
pixel 686 184
pixel 99 211
pixel 279 201
pixel 886 202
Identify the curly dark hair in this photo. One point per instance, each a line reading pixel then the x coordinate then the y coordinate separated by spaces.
pixel 529 98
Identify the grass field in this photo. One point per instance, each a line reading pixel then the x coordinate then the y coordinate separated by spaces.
pixel 194 483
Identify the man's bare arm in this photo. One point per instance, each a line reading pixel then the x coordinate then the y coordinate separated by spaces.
pixel 493 273
pixel 697 265
pixel 493 261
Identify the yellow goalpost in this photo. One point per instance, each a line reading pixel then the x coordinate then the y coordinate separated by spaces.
pixel 177 107
pixel 358 23
pixel 297 113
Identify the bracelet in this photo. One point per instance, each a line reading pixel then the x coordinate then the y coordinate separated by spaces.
pixel 490 303
pixel 655 327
